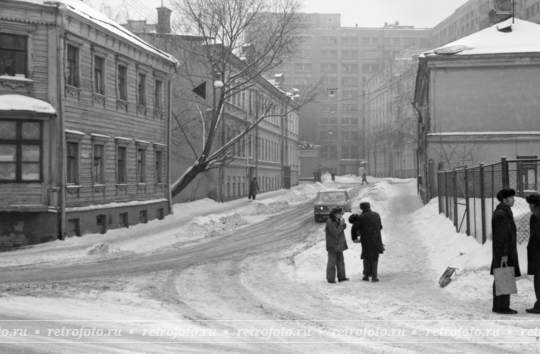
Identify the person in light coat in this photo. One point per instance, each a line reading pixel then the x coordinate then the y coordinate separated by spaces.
pixel 335 245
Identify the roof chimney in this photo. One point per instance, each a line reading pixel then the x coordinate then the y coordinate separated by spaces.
pixel 164 20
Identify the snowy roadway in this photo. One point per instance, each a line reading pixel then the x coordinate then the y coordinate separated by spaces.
pixel 261 289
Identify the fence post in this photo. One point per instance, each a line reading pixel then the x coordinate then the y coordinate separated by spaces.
pixel 439 185
pixel 446 195
pixel 519 181
pixel 505 173
pixel 467 209
pixel 454 187
pixel 483 203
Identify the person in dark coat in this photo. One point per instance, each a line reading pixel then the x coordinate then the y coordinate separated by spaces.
pixel 364 178
pixel 314 176
pixel 504 245
pixel 253 188
pixel 333 175
pixel 533 249
pixel 367 231
pixel 335 245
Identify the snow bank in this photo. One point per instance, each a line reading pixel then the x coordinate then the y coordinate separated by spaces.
pixel 191 222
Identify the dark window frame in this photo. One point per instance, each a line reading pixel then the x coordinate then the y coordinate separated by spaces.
pixel 98 77
pixel 101 172
pixel 122 90
pixel 19 142
pixel 121 171
pixel 13 51
pixel 72 66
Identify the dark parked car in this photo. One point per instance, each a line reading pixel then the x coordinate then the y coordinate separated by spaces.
pixel 325 201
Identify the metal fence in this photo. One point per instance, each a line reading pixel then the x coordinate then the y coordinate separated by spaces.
pixel 467 195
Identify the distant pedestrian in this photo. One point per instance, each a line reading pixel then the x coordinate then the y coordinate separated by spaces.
pixel 333 175
pixel 504 245
pixel 319 175
pixel 533 249
pixel 367 227
pixel 364 178
pixel 315 176
pixel 253 188
pixel 335 245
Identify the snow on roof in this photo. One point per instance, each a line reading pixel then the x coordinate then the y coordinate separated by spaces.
pixel 80 8
pixel 24 103
pixel 523 38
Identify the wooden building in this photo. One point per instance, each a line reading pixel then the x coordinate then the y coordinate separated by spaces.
pixel 84 123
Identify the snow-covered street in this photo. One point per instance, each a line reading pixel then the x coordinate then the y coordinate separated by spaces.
pixel 249 277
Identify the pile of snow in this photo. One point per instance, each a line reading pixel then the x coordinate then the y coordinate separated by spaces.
pixel 448 248
pixel 98 249
pixel 214 225
pixel 270 208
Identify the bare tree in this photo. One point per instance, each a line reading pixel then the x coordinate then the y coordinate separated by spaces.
pixel 454 151
pixel 231 43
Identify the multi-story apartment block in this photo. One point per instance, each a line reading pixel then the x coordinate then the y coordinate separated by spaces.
pixel 84 123
pixel 340 60
pixel 475 15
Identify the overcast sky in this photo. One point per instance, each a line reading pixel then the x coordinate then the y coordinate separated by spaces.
pixel 365 13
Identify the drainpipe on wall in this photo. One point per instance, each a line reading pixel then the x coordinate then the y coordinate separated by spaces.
pixel 61 18
pixel 169 143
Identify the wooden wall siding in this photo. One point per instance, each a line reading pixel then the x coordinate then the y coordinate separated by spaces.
pixel 82 113
pixel 40 57
pixel 20 194
pixel 87 195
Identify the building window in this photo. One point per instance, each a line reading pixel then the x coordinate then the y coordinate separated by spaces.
pixel 141 95
pixel 158 95
pixel 143 217
pixel 99 67
pixel 329 152
pixel 349 68
pixel 159 166
pixel 97 171
pixel 13 55
pixel 121 165
pixel 74 227
pixel 122 82
pixel 72 163
pixel 20 151
pixel 72 66
pixel 329 68
pixel 123 220
pixel 141 165
pixel 160 214
pixel 101 222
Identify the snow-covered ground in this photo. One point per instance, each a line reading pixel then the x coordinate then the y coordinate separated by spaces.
pixel 285 287
pixel 440 244
pixel 194 222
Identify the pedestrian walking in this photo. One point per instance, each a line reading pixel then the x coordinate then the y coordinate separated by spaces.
pixel 314 176
pixel 335 245
pixel 533 249
pixel 367 231
pixel 364 178
pixel 504 245
pixel 319 176
pixel 333 175
pixel 253 188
